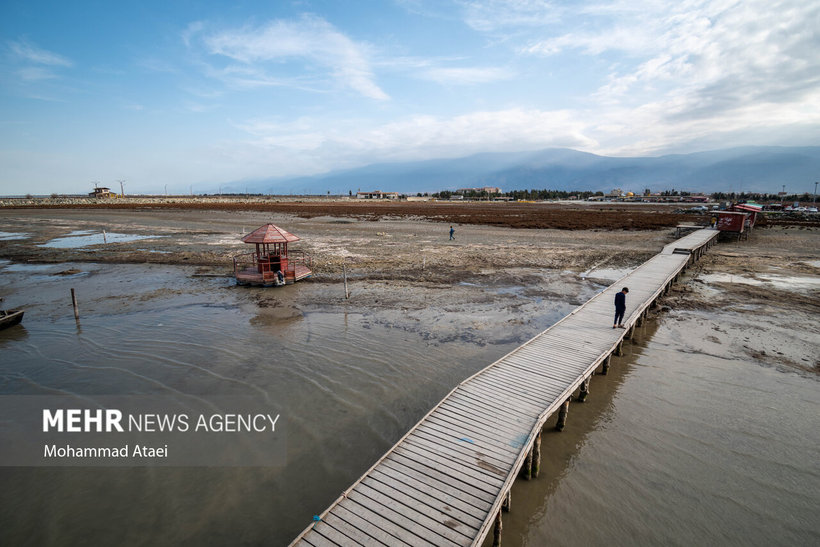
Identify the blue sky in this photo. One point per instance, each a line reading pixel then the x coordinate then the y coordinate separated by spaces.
pixel 197 95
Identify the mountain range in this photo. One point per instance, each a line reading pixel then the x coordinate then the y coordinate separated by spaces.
pixel 745 169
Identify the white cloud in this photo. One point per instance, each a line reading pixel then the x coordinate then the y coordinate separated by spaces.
pixel 35 74
pixel 258 50
pixel 319 145
pixel 493 15
pixel 682 70
pixel 23 51
pixel 191 30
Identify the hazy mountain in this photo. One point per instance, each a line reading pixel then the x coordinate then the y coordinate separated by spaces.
pixel 758 169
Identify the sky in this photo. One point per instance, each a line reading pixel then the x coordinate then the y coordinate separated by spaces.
pixel 198 96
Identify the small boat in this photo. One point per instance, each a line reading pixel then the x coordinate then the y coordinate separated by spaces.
pixel 9 318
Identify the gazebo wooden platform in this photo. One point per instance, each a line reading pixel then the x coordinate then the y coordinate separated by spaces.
pixel 271 264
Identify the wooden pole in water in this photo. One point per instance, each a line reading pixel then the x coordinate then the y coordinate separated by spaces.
pixel 582 395
pixel 605 365
pixel 536 456
pixel 344 270
pixel 74 303
pixel 526 470
pixel 105 240
pixel 562 416
pixel 506 505
pixel 497 531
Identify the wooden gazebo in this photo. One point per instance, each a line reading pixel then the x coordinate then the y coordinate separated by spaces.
pixel 271 263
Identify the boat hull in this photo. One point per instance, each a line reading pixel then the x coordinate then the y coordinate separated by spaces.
pixel 10 318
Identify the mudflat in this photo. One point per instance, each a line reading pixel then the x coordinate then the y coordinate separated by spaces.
pixel 399 259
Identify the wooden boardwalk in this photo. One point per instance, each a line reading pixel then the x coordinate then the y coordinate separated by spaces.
pixel 446 481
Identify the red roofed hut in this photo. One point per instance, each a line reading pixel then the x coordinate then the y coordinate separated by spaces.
pixel 263 266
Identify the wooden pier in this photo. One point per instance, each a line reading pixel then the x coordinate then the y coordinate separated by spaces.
pixel 448 479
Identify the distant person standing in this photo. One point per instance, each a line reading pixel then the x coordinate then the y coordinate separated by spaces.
pixel 620 308
pixel 452 231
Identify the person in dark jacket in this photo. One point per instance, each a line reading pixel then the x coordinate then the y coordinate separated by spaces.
pixel 620 308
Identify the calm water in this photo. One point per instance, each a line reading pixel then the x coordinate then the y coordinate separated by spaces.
pixel 672 447
pixel 348 387
pixel 679 448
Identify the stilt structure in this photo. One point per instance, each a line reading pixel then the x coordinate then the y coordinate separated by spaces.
pixel 271 263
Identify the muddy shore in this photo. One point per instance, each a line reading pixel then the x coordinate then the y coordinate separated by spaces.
pixel 489 278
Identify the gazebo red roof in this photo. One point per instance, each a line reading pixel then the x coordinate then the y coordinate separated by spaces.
pixel 269 233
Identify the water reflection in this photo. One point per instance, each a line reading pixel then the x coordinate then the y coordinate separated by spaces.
pixel 85 238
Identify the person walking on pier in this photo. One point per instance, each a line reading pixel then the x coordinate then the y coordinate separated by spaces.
pixel 452 231
pixel 620 308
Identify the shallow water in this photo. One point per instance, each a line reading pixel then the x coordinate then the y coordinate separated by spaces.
pixel 85 238
pixel 347 385
pixel 678 447
pixel 675 446
pixel 784 282
pixel 8 236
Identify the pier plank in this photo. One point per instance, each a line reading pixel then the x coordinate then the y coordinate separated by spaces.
pixel 443 483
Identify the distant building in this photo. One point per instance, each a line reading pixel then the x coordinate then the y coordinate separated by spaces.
pixel 615 193
pixel 377 194
pixel 101 193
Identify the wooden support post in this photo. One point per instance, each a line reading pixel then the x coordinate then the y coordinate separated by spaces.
pixel 630 333
pixel 344 270
pixel 605 365
pixel 536 456
pixel 526 469
pixel 562 416
pixel 506 505
pixel 74 303
pixel 497 531
pixel 639 322
pixel 619 350
pixel 582 395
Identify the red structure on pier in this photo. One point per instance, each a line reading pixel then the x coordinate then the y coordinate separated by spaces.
pixel 271 264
